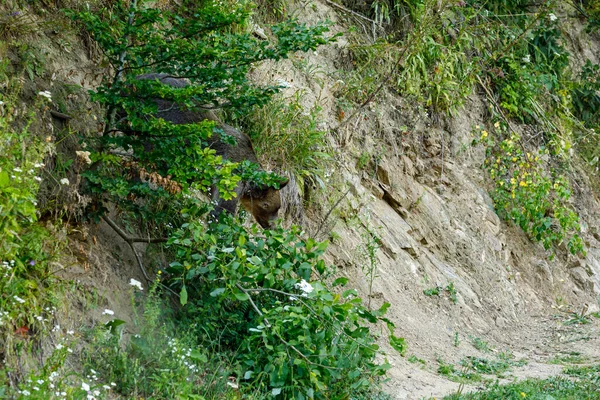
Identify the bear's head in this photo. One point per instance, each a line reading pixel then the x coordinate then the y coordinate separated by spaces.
pixel 263 203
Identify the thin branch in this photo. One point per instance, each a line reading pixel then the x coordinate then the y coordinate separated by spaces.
pixel 268 324
pixel 499 109
pixel 340 7
pixel 112 110
pixel 330 211
pixel 130 241
pixel 307 306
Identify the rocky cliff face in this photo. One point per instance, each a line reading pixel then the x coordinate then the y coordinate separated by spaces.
pixel 414 215
pixel 423 194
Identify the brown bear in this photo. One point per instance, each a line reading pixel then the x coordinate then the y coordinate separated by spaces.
pixel 262 202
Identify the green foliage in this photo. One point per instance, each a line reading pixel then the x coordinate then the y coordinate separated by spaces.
pixel 592 12
pixel 26 246
pixel 480 344
pixel 525 193
pixel 255 295
pixel 570 358
pixel 529 69
pixel 487 366
pixel 285 135
pixel 591 372
pixel 586 108
pixel 161 361
pixel 438 290
pixel 558 388
pixel 435 69
pixel 462 375
pixel 195 42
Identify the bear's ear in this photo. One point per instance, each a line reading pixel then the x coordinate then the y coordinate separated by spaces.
pixel 284 183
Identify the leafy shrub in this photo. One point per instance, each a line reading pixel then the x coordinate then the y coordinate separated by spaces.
pixel 526 194
pixel 529 69
pixel 26 247
pixel 256 295
pixel 139 39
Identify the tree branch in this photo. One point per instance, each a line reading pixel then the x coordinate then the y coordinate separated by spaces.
pixel 130 241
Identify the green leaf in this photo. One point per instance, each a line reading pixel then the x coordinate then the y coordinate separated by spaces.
pixel 217 292
pixel 196 355
pixel 399 344
pixel 183 296
pixel 4 180
pixel 241 296
pixel 115 326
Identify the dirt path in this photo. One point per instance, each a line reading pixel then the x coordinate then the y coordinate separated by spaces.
pixel 547 344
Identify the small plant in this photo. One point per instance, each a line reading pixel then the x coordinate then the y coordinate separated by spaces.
pixel 438 290
pixel 462 376
pixel 369 247
pixel 414 359
pixel 523 192
pixel 480 344
pixel 570 358
pixel 556 387
pixel 456 339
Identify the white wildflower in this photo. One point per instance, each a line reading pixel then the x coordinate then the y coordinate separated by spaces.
pixel 18 299
pixel 70 332
pixel 305 287
pixel 37 178
pixel 25 393
pixel 108 312
pixel 46 94
pixel 552 17
pixel 526 59
pixel 59 346
pixel 84 156
pixel 17 169
pixel 64 181
pixel 136 283
pixel 85 386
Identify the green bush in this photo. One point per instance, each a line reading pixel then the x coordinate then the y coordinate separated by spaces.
pixel 523 192
pixel 197 42
pixel 257 297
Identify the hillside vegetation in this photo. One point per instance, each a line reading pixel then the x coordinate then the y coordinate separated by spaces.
pixel 119 281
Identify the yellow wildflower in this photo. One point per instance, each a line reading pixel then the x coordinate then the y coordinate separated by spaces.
pixel 522 183
pixel 484 134
pixel 497 125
